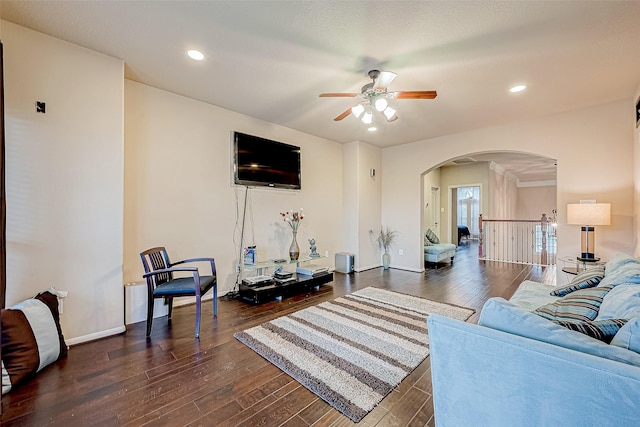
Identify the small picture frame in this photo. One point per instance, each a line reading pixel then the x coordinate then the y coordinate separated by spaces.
pixel 638 112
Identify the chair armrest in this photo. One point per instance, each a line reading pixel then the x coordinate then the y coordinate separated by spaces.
pixel 169 270
pixel 191 260
pixel 210 260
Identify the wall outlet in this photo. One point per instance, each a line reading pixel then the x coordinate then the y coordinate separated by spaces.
pixel 400 251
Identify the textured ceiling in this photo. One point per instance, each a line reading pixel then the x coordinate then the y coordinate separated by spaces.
pixel 271 59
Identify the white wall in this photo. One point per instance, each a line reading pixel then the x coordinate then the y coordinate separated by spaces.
pixel 594 150
pixel 534 201
pixel 350 153
pixel 64 178
pixel 178 191
pixel 503 191
pixel 636 164
pixel 369 205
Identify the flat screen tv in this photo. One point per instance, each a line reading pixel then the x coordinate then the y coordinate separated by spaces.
pixel 263 162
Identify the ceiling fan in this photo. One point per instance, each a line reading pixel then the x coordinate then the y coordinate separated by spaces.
pixel 374 97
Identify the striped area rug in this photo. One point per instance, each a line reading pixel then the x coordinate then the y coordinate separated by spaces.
pixel 354 350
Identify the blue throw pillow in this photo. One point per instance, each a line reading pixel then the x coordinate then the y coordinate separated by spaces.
pixel 622 302
pixel 617 261
pixel 431 236
pixel 626 274
pixel 585 279
pixel 578 306
pixel 628 336
pixel 603 330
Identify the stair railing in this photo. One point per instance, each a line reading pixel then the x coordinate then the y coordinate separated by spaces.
pixel 517 241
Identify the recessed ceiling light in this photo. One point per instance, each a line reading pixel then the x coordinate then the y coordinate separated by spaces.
pixel 518 88
pixel 195 54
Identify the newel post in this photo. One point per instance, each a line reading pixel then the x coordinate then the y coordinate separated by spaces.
pixel 544 225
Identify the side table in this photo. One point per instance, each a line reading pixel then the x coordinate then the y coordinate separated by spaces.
pixel 574 265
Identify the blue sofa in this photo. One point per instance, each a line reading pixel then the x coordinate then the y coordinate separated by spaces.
pixel 517 368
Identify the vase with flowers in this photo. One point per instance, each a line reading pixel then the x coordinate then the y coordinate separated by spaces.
pixel 293 218
pixel 385 239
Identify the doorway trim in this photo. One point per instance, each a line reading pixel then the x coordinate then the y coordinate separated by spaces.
pixel 451 219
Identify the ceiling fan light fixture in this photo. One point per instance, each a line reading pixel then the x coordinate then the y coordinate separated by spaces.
pixel 517 88
pixel 357 110
pixel 389 113
pixel 372 128
pixel 380 104
pixel 375 96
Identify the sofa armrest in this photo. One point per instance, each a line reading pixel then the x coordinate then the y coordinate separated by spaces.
pixel 482 376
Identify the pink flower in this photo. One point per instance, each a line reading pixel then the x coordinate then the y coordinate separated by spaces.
pixel 293 218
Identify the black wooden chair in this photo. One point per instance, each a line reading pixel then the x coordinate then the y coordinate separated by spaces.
pixel 158 271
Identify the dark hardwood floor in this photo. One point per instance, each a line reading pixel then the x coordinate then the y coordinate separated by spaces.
pixel 174 380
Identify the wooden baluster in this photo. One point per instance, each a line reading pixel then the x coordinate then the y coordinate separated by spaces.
pixel 480 240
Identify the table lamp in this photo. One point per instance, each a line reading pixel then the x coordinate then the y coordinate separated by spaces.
pixel 587 215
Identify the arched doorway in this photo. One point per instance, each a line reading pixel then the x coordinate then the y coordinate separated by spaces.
pixel 511 185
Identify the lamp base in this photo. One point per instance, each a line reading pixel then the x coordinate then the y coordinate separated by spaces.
pixel 587 243
pixel 589 258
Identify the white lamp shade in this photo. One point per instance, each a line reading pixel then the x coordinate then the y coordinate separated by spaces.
pixel 357 110
pixel 367 118
pixel 381 104
pixel 390 114
pixel 589 213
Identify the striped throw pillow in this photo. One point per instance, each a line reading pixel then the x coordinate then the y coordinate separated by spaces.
pixel 603 330
pixel 578 306
pixel 585 279
pixel 431 236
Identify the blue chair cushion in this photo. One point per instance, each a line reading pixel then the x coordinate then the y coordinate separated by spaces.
pixel 184 286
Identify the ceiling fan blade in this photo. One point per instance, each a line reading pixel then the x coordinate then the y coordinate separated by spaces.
pixel 341 95
pixel 383 80
pixel 415 94
pixel 343 115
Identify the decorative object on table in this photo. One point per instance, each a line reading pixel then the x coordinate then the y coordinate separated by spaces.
pixel 293 218
pixel 588 214
pixel 553 223
pixel 324 349
pixel 313 249
pixel 250 255
pixel 385 239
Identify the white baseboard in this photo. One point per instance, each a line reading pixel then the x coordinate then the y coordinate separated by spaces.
pixel 415 270
pixel 95 336
pixel 395 267
pixel 367 267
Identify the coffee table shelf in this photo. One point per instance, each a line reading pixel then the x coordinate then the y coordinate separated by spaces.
pixel 259 294
pixel 269 291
